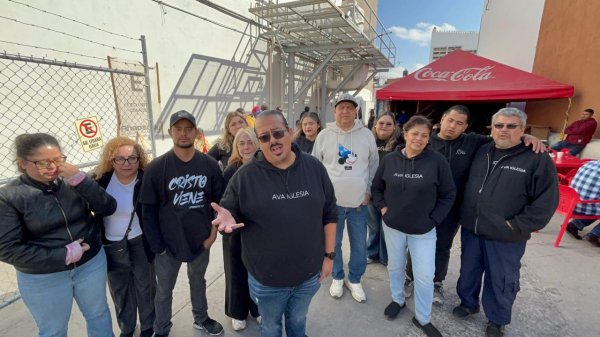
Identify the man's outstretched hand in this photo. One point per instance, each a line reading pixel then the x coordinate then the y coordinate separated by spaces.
pixel 224 221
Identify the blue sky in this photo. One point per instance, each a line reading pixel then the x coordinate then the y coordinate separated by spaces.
pixel 411 22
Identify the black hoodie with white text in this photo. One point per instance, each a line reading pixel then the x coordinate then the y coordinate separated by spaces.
pixel 418 192
pixel 284 212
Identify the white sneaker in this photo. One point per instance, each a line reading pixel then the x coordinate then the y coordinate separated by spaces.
pixel 337 288
pixel 238 324
pixel 357 291
pixel 259 320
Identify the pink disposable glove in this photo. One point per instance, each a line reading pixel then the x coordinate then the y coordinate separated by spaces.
pixel 74 252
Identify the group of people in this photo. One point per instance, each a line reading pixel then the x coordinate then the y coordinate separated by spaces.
pixel 281 201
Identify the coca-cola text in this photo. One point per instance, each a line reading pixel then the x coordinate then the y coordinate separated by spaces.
pixel 464 74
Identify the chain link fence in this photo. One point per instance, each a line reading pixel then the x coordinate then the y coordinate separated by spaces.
pixel 82 106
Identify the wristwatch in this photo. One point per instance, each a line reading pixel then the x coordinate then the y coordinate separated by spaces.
pixel 330 256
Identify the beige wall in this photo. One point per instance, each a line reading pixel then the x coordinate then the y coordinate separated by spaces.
pixel 568 51
pixel 509 31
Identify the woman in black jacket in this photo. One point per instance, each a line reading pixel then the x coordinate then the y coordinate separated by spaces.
pixel 120 172
pixel 221 151
pixel 414 190
pixel 48 233
pixel 386 138
pixel 310 126
pixel 237 296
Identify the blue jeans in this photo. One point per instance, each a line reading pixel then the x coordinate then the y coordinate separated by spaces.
pixel 49 298
pixel 582 223
pixel 422 251
pixel 499 263
pixel 291 302
pixel 573 148
pixel 357 233
pixel 376 240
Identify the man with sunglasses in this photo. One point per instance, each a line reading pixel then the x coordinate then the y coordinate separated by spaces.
pixel 349 153
pixel 176 193
pixel 285 203
pixel 510 193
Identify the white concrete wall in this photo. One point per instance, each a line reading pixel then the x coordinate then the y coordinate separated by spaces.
pixel 509 31
pixel 174 40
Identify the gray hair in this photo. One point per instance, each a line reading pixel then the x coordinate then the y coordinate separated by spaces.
pixel 511 112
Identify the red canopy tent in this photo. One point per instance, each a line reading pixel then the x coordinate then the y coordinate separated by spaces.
pixel 463 76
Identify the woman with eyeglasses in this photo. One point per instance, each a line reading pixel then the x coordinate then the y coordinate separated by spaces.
pixel 221 151
pixel 414 190
pixel 387 136
pixel 120 173
pixel 310 126
pixel 48 233
pixel 237 295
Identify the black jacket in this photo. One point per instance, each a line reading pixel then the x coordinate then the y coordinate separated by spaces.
pixel 459 153
pixel 284 212
pixel 418 192
pixel 37 221
pixel 103 182
pixel 521 188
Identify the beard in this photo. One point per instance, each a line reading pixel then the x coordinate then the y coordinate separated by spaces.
pixel 184 146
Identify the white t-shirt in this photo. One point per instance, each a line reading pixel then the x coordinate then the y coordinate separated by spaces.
pixel 115 225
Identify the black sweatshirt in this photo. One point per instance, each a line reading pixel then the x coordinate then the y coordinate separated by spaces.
pixel 459 153
pixel 418 192
pixel 521 188
pixel 284 212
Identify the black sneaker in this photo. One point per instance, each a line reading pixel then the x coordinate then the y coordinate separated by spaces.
pixel 147 333
pixel 211 326
pixel 494 330
pixel 159 335
pixel 464 312
pixel 392 310
pixel 428 329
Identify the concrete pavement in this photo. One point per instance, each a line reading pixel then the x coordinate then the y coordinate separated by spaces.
pixel 560 296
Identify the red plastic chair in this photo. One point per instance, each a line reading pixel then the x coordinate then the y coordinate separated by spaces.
pixel 565 179
pixel 566 206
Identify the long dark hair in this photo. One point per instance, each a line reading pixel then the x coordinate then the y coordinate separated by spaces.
pixel 315 116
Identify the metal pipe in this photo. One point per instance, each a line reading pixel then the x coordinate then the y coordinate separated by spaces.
pixel 148 95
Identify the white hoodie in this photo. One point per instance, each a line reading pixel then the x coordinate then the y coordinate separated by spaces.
pixel 351 160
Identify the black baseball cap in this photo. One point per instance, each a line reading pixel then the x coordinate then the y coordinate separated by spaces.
pixel 182 114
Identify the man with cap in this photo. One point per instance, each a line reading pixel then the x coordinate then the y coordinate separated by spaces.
pixel 176 193
pixel 349 153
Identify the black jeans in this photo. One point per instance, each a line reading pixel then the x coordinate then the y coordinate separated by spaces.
pixel 167 269
pixel 133 291
pixel 446 231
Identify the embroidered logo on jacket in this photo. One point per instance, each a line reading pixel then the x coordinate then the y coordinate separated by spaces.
pixel 288 196
pixel 409 175
pixel 514 168
pixel 460 151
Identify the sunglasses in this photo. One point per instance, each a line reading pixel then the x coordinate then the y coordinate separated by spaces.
pixel 266 137
pixel 500 126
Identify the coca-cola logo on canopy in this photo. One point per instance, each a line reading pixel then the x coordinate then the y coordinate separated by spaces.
pixel 464 74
